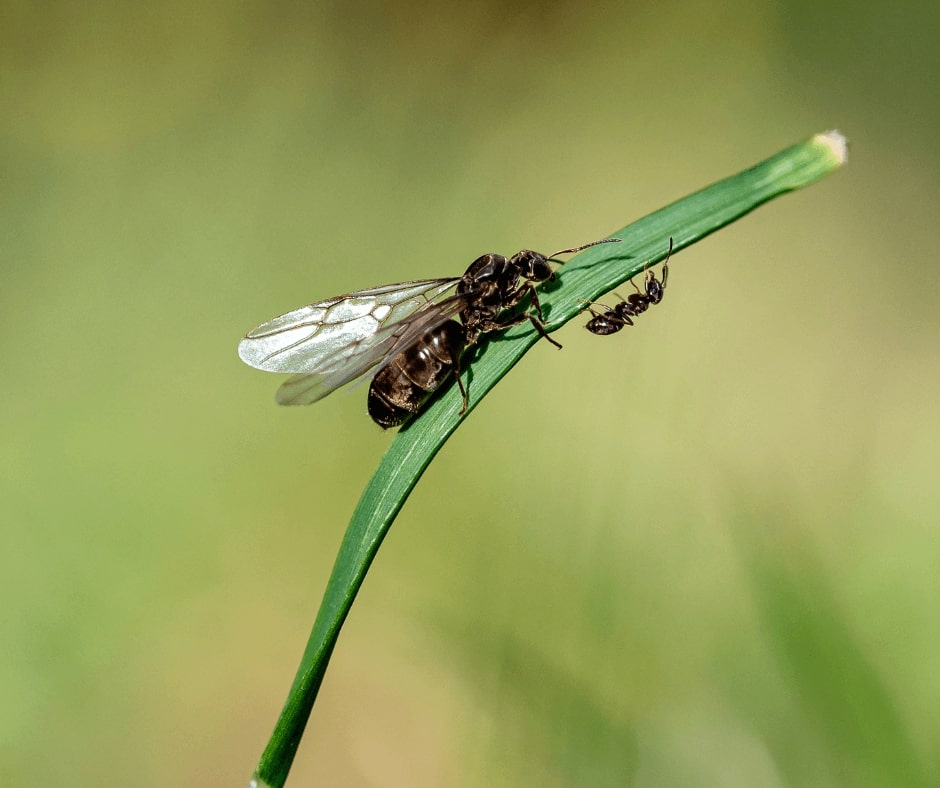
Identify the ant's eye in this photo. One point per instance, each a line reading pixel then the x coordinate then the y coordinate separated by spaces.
pixel 543 271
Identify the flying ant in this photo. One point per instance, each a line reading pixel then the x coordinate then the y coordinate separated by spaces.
pixel 409 331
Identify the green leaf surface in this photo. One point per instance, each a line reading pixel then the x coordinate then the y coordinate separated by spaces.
pixel 586 277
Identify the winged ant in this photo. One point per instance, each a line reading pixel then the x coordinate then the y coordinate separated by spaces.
pixel 414 333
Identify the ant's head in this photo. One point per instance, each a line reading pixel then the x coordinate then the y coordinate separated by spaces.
pixel 654 288
pixel 535 266
pixel 532 265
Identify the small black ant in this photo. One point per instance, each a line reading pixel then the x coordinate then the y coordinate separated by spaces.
pixel 612 319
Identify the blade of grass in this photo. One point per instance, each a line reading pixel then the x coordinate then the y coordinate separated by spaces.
pixel 586 277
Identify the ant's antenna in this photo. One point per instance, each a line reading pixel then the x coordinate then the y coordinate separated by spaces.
pixel 669 253
pixel 665 266
pixel 582 248
pixel 666 262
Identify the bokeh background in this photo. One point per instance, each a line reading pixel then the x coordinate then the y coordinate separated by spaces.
pixel 702 552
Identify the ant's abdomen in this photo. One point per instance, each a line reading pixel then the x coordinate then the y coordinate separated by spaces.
pixel 401 387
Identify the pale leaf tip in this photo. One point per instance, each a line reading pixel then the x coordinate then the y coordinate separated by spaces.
pixel 837 144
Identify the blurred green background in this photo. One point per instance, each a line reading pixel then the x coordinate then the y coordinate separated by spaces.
pixel 702 552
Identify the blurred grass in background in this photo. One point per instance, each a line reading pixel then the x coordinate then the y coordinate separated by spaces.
pixel 702 552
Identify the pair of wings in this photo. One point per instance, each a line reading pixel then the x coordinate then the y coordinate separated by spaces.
pixel 332 342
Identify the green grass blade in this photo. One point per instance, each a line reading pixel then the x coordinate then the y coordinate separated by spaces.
pixel 588 276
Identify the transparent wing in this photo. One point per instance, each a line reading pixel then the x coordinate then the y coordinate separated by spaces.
pixel 389 341
pixel 335 341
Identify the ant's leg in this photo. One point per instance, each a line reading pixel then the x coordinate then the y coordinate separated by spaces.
pixel 623 319
pixel 455 360
pixel 523 290
pixel 535 302
pixel 515 320
pixel 620 319
pixel 666 263
pixel 540 322
pixel 540 327
pixel 589 304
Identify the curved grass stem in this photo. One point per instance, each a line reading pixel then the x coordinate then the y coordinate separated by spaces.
pixel 591 274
